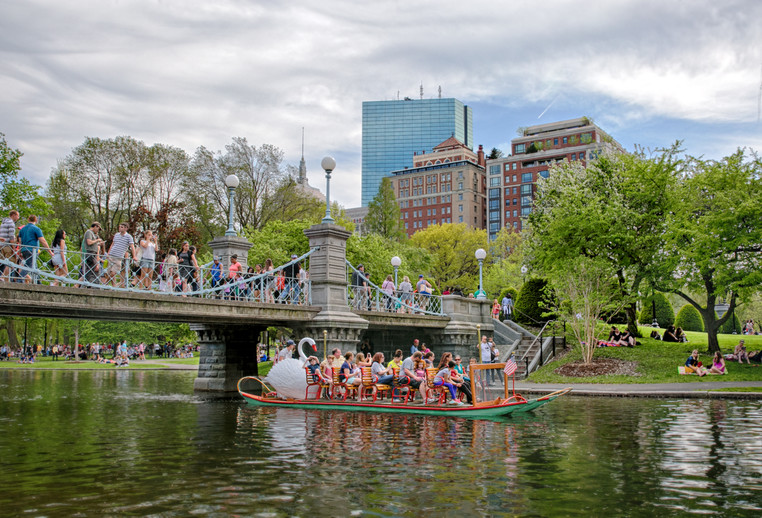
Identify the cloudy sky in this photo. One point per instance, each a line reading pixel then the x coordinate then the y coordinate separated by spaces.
pixel 190 73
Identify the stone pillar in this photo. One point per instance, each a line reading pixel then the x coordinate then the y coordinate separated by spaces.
pixel 328 278
pixel 225 246
pixel 228 353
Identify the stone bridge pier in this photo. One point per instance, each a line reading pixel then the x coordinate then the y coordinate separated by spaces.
pixel 228 353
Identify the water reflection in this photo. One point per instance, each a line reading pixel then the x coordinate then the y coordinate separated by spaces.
pixel 142 443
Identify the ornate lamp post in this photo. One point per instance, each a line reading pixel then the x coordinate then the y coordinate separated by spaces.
pixel 524 271
pixel 396 262
pixel 232 182
pixel 655 322
pixel 328 164
pixel 480 254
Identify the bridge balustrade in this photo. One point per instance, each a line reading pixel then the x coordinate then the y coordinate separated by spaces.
pixel 33 264
pixel 373 298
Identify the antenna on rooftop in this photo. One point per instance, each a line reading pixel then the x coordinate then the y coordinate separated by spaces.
pixel 440 91
pixel 421 89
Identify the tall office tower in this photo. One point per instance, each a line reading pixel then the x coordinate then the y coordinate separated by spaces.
pixel 392 131
pixel 512 180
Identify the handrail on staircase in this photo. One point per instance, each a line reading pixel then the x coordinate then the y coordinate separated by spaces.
pixel 539 338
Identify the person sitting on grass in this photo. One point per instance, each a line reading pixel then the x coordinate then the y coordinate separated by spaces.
pixel 655 335
pixel 692 364
pixel 626 339
pixel 669 335
pixel 740 352
pixel 680 335
pixel 718 364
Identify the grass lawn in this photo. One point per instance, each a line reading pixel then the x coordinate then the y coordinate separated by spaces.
pixel 48 363
pixel 657 362
pixel 177 361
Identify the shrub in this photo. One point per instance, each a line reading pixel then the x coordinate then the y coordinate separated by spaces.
pixel 530 303
pixel 727 327
pixel 512 291
pixel 665 315
pixel 689 319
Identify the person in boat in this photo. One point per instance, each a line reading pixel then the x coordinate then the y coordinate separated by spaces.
pixel 382 375
pixel 429 359
pixel 409 376
pixel 443 378
pixel 314 368
pixel 444 360
pixel 396 362
pixel 362 361
pixel 350 373
pixel 692 364
pixel 718 364
pixel 326 368
pixel 459 381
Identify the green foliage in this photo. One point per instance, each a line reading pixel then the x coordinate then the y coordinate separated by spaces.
pixel 10 161
pixel 494 154
pixel 503 267
pixel 277 240
pixel 727 328
pixel 713 236
pixel 514 293
pixel 375 253
pixel 531 303
pixel 384 213
pixel 689 319
pixel 665 315
pixel 452 248
pixel 613 209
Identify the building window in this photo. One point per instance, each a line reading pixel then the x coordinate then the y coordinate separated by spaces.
pixel 574 156
pixel 460 209
pixel 507 214
pixel 526 189
pixel 515 214
pixel 493 169
pixel 525 200
pixel 566 140
pixel 460 186
pixel 494 215
pixel 515 224
pixel 515 166
pixel 526 177
pixel 494 227
pixel 544 173
pixel 494 181
pixel 460 219
pixel 493 193
pixel 514 177
pixel 494 204
pixel 519 148
pixel 525 211
pixel 555 141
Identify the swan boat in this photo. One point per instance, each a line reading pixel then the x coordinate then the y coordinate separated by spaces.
pixel 287 388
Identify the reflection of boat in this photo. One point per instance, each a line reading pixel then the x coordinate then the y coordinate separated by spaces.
pixel 509 404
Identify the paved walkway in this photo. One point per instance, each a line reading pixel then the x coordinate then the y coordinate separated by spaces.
pixel 697 389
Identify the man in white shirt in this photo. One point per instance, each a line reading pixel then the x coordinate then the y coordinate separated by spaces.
pixel 121 243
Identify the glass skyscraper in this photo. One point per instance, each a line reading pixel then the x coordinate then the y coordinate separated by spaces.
pixel 393 130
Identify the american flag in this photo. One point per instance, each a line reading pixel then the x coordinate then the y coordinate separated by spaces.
pixel 510 367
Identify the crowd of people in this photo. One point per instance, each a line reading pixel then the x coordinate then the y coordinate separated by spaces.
pixel 99 352
pixel 142 264
pixel 400 373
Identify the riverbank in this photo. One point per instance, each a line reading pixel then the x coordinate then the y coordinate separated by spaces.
pixel 691 390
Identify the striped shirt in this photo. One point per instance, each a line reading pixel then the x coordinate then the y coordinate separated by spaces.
pixel 120 245
pixel 7 230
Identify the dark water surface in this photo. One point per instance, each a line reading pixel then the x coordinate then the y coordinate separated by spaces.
pixel 140 443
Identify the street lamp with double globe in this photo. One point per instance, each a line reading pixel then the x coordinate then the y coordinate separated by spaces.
pixel 396 262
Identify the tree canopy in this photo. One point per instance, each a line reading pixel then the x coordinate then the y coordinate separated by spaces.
pixel 384 213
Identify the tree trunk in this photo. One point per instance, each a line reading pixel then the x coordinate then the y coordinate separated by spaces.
pixel 13 339
pixel 632 319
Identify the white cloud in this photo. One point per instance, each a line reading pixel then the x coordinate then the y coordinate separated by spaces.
pixel 198 73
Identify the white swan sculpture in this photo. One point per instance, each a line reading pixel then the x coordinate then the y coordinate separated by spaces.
pixel 287 376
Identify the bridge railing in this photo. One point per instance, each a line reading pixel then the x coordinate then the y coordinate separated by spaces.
pixel 373 298
pixel 83 270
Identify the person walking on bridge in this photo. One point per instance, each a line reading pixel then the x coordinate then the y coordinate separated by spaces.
pixel 7 240
pixel 121 243
pixel 30 237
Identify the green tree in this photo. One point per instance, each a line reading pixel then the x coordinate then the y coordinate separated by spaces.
pixel 384 213
pixel 689 319
pixel 376 252
pixel 504 267
pixel 452 247
pixel 714 237
pixel 588 291
pixel 277 240
pixel 494 154
pixel 532 304
pixel 613 209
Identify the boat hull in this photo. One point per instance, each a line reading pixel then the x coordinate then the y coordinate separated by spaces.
pixel 466 411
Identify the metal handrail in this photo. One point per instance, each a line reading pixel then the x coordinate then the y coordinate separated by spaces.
pixel 378 300
pixel 85 270
pixel 537 339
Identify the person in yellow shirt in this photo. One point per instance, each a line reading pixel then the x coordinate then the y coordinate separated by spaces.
pixel 396 362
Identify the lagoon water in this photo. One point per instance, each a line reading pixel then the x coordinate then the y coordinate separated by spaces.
pixel 141 443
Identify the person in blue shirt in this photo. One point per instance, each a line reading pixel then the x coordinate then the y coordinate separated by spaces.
pixel 30 236
pixel 216 273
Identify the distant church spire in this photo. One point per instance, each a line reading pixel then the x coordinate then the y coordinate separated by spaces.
pixel 302 165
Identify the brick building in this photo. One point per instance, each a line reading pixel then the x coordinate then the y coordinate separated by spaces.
pixel 446 185
pixel 512 180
